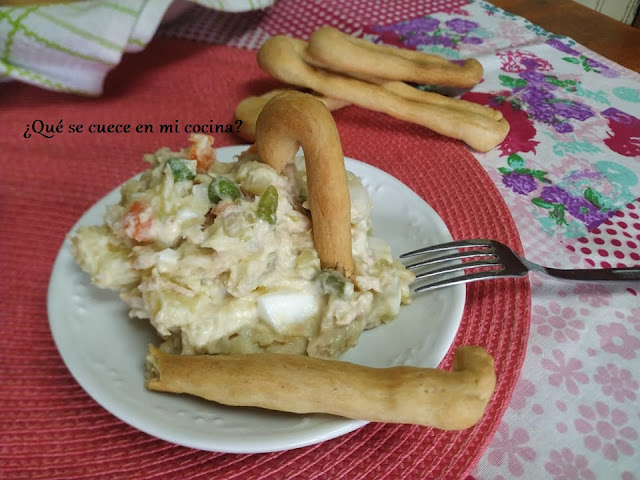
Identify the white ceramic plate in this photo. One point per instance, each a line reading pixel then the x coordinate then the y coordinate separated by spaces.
pixel 104 349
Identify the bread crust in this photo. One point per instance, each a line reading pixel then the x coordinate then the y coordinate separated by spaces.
pixel 479 127
pixel 359 58
pixel 448 400
pixel 248 109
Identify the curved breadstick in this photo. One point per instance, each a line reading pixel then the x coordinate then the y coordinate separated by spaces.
pixel 283 57
pixel 358 57
pixel 248 110
pixel 293 119
pixel 300 384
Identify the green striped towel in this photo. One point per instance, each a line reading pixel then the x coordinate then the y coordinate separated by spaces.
pixel 72 46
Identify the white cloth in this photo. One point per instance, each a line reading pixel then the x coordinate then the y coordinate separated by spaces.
pixel 72 46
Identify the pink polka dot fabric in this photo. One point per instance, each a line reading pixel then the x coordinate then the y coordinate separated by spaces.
pixel 616 243
pixel 299 19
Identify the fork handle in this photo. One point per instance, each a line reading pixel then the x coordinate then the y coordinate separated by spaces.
pixel 596 274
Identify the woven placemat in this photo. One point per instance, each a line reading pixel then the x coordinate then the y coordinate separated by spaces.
pixel 51 429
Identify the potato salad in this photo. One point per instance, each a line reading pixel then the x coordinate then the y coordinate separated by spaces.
pixel 220 258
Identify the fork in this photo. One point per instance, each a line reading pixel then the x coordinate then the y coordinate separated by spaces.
pixel 496 261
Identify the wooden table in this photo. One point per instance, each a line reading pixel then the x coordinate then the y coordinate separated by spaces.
pixel 600 33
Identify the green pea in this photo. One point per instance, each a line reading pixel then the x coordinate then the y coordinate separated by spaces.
pixel 222 188
pixel 332 282
pixel 180 170
pixel 268 205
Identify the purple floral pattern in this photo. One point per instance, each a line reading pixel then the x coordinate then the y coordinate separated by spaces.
pixel 585 196
pixel 556 102
pixel 430 31
pixel 520 179
pixel 541 96
pixel 586 208
pixel 578 58
pixel 567 172
pixel 522 183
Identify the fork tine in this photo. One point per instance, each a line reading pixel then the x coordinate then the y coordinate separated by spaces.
pixel 480 242
pixel 465 278
pixel 460 266
pixel 452 256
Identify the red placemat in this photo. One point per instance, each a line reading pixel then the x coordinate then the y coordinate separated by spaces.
pixel 51 429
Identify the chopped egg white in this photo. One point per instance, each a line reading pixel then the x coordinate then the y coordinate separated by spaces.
pixel 287 310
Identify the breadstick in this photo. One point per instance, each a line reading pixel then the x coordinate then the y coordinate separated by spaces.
pixel 248 110
pixel 282 57
pixel 357 57
pixel 300 384
pixel 293 119
pixel 410 93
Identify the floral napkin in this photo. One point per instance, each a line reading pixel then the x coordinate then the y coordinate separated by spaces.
pixel 72 46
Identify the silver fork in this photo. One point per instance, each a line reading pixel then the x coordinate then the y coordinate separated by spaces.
pixel 496 261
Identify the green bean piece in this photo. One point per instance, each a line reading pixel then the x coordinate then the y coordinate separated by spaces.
pixel 180 170
pixel 268 205
pixel 222 188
